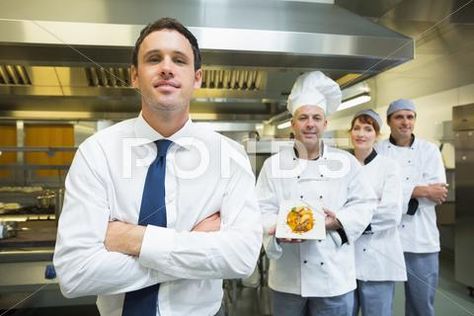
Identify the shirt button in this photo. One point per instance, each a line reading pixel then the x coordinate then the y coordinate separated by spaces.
pixel 322 263
pixel 301 196
pixel 319 240
pixel 320 196
pixel 322 176
pixel 408 178
pixel 364 249
pixel 409 161
pixel 403 226
pixel 294 158
pixel 305 261
pixel 298 177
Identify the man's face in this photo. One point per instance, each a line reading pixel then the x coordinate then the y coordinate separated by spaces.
pixel 165 72
pixel 308 124
pixel 402 124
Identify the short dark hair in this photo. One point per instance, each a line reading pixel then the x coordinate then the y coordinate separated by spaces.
pixel 168 24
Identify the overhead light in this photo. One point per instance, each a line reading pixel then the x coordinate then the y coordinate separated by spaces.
pixel 361 99
pixel 284 125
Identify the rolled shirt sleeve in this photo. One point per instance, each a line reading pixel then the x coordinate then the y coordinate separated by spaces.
pixel 83 264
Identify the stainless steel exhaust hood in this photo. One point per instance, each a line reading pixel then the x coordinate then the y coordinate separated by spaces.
pixel 270 41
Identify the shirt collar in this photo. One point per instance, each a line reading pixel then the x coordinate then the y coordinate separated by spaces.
pixel 146 134
pixel 393 142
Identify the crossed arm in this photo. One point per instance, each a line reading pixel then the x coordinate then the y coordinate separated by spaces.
pixel 127 238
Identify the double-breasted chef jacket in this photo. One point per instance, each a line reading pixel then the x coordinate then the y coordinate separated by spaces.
pixel 315 268
pixel 420 164
pixel 378 252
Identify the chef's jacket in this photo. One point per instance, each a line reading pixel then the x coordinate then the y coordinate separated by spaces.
pixel 378 252
pixel 205 173
pixel 420 164
pixel 315 268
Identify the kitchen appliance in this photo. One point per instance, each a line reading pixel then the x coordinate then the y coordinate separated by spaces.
pixel 463 126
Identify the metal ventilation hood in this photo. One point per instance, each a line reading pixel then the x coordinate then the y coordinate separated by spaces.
pixel 252 52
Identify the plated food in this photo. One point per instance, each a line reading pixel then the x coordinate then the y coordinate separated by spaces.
pixel 300 219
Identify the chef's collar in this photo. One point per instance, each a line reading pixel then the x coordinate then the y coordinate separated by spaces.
pixel 146 134
pixel 321 151
pixel 370 157
pixel 367 159
pixel 393 142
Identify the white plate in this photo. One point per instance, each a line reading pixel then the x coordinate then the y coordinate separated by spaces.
pixel 284 231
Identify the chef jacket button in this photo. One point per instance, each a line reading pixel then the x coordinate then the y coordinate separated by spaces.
pixel 322 176
pixel 409 161
pixel 306 261
pixel 364 249
pixel 320 240
pixel 408 178
pixel 322 263
pixel 301 196
pixel 298 177
pixel 320 196
pixel 403 226
pixel 294 158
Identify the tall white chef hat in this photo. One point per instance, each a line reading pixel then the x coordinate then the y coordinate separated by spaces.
pixel 315 89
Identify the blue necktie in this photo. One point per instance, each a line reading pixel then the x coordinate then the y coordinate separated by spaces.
pixel 152 211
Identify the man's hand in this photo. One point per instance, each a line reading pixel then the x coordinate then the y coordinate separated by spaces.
pixel 124 238
pixel 436 192
pixel 331 221
pixel 211 223
pixel 272 231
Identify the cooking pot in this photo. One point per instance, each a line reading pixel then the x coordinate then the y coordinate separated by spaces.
pixel 46 200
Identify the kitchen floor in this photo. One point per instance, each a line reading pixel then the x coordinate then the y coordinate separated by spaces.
pixel 452 299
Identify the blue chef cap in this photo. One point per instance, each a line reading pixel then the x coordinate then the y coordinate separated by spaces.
pixel 401 104
pixel 372 114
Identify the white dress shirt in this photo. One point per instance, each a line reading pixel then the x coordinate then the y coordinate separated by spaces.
pixel 205 173
pixel 315 268
pixel 378 252
pixel 420 164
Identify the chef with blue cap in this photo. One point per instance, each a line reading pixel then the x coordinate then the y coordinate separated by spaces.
pixel 314 276
pixel 378 252
pixel 424 186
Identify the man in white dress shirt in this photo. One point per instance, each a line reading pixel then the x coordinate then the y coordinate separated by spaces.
pixel 213 226
pixel 316 277
pixel 424 186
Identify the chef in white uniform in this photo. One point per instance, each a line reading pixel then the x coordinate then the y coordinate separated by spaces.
pixel 378 252
pixel 314 276
pixel 424 186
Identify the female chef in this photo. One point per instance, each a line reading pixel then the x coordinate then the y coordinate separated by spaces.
pixel 378 252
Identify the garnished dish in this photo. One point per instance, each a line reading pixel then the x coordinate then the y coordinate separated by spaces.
pixel 300 219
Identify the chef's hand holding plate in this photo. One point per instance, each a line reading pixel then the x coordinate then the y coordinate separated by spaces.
pixel 332 223
pixel 272 231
